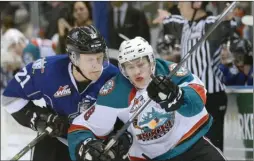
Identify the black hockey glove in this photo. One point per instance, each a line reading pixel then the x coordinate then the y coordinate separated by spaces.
pixel 59 124
pixel 38 118
pixel 163 91
pixel 122 146
pixel 92 149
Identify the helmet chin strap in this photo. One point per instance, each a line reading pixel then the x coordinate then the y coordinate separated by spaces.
pixel 80 72
pixel 193 16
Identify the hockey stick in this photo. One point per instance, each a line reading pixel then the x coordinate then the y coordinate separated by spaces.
pixel 200 41
pixel 123 36
pixel 47 131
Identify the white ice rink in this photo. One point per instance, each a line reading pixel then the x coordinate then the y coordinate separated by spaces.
pixel 13 137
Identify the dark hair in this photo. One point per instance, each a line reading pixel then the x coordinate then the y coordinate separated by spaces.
pixel 89 8
pixel 7 22
pixel 204 4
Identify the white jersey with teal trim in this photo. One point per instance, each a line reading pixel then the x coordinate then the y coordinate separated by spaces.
pixel 158 134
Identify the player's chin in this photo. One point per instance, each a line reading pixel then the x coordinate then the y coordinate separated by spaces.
pixel 95 76
pixel 140 84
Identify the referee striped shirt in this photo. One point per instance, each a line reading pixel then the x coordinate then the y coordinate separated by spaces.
pixel 204 62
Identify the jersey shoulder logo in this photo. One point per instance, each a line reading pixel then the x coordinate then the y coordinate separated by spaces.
pixel 63 91
pixel 107 88
pixel 39 64
pixel 181 72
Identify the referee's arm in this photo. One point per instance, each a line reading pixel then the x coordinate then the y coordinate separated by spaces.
pixel 222 32
pixel 173 25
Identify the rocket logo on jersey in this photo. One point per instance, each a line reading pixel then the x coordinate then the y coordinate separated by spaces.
pixel 63 91
pixel 181 72
pixel 153 124
pixel 107 88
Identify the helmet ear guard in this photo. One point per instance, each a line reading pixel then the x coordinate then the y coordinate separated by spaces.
pixel 74 57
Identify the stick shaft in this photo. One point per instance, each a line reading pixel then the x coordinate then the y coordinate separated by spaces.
pixel 31 144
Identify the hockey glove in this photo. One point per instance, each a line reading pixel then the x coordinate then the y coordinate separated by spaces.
pixel 38 118
pixel 92 149
pixel 59 124
pixel 163 91
pixel 122 146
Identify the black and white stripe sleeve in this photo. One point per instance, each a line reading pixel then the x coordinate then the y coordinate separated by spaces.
pixel 222 32
pixel 173 25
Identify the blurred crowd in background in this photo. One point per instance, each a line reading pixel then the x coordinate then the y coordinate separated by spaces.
pixel 25 37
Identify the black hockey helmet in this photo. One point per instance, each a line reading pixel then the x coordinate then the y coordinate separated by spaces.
pixel 84 40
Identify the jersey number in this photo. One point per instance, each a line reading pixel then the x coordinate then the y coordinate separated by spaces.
pixel 22 74
pixel 89 113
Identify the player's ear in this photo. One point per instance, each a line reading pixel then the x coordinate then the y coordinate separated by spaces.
pixel 197 4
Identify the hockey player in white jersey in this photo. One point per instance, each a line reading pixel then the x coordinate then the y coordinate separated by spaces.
pixel 171 127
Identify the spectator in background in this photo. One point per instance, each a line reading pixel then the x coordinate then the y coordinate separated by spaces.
pixel 22 22
pixel 168 47
pixel 53 11
pixel 16 15
pixel 81 15
pixel 12 44
pixel 38 48
pixel 7 23
pixel 236 63
pixel 9 11
pixel 243 30
pixel 128 21
pixel 17 51
pixel 247 20
pixel 9 8
pixel 238 14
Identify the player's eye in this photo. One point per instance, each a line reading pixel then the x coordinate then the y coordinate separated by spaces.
pixel 140 65
pixel 130 67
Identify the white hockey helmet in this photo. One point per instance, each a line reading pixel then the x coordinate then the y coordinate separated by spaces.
pixel 133 49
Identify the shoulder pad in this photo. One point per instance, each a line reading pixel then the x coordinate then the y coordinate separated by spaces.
pixel 115 92
pixel 56 63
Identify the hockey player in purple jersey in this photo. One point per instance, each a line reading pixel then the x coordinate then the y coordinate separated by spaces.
pixel 68 83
